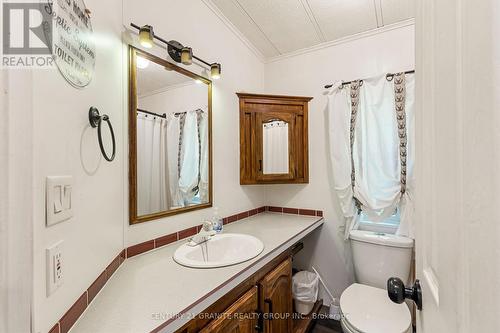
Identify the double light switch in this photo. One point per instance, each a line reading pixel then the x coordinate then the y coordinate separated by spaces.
pixel 59 206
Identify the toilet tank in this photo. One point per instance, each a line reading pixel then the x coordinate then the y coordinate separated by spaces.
pixel 379 256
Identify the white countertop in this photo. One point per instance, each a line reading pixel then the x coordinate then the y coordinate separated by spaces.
pixel 148 289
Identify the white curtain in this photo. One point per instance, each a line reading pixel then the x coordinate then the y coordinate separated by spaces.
pixel 339 119
pixel 152 180
pixel 173 132
pixel 375 152
pixel 407 224
pixel 275 147
pixel 204 163
pixel 189 157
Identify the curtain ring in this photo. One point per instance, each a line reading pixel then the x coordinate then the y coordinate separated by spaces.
pixel 96 120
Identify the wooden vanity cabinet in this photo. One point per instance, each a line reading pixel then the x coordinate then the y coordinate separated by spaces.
pixel 239 317
pixel 268 157
pixel 248 307
pixel 276 296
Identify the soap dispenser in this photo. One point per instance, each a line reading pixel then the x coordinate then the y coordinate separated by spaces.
pixel 217 222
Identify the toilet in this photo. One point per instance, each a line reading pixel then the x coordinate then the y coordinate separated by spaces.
pixel 365 306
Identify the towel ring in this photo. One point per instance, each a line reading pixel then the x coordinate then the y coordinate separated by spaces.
pixel 96 120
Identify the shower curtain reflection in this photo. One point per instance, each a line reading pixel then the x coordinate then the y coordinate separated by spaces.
pixel 172 161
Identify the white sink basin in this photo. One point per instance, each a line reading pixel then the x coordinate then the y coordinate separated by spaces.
pixel 220 250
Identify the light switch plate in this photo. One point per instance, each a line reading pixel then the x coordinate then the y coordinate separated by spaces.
pixel 54 267
pixel 58 199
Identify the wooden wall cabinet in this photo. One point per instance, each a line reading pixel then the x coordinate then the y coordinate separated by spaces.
pixel 273 139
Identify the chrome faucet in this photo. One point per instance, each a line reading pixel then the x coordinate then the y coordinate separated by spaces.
pixel 206 232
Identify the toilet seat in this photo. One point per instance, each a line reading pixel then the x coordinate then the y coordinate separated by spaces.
pixel 368 309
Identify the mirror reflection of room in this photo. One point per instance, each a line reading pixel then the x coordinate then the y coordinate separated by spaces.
pixel 172 139
pixel 275 147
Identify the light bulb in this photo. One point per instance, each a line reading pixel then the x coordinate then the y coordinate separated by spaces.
pixel 146 36
pixel 215 71
pixel 187 55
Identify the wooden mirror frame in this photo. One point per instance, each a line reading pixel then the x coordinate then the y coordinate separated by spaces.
pixel 132 136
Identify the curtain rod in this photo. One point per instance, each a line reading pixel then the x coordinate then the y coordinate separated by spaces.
pixel 389 77
pixel 179 113
pixel 152 113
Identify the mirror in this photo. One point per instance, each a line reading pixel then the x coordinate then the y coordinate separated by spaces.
pixel 169 138
pixel 275 147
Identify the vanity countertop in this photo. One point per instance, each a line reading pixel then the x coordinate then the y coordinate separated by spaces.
pixel 151 289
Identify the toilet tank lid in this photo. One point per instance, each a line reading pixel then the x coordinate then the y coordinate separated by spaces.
pixel 381 238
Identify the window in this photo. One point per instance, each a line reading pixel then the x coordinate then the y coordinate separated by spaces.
pixel 389 225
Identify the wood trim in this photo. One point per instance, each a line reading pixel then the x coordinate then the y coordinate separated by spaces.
pixel 132 134
pixel 277 97
pixel 254 108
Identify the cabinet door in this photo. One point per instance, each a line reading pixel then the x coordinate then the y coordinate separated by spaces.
pixel 276 295
pixel 240 317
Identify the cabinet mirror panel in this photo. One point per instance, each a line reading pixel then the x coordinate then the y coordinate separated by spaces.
pixel 170 138
pixel 275 147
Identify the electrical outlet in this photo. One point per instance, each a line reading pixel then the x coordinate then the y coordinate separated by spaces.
pixel 55 267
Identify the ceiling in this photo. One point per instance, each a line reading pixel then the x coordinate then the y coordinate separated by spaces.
pixel 278 27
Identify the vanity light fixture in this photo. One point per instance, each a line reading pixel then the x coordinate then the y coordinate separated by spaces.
pixel 187 55
pixel 176 50
pixel 146 36
pixel 215 70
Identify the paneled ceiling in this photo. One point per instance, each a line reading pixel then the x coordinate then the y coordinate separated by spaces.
pixel 278 27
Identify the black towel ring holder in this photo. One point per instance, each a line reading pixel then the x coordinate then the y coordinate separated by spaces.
pixel 96 120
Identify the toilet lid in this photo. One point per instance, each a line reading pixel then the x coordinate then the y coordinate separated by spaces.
pixel 369 309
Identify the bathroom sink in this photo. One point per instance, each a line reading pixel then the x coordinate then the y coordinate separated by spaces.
pixel 219 251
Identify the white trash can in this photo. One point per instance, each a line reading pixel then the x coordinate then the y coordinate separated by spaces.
pixel 305 291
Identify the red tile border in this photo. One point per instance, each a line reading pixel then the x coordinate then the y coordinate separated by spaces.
pixel 187 232
pixel 164 240
pixel 55 329
pixel 123 256
pixel 243 215
pixel 232 218
pixel 76 310
pixel 73 313
pixel 140 248
pixel 275 209
pixel 113 266
pixel 308 212
pixel 287 210
pixel 96 286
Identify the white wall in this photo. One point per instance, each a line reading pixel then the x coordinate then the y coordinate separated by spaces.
pixel 63 143
pixel 16 200
pixel 194 24
pixel 306 74
pixel 186 97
